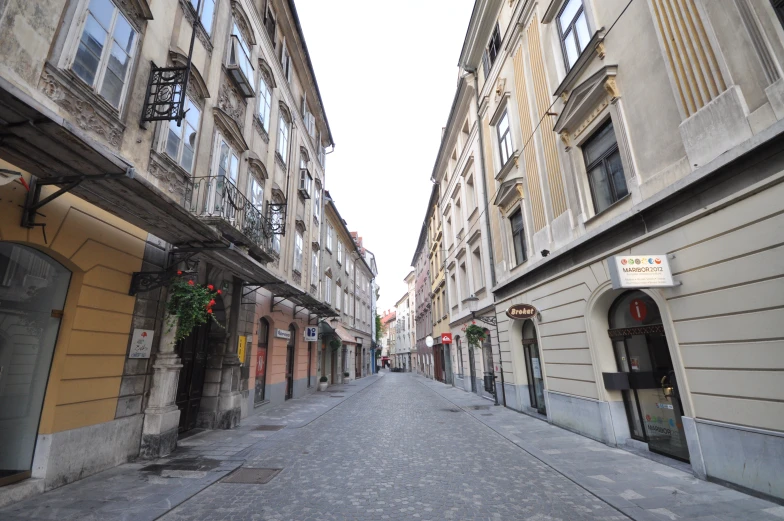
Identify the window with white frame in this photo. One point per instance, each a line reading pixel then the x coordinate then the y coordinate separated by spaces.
pixel 317 203
pixel 573 31
pixel 207 13
pixel 298 252
pixel 256 191
pixel 463 281
pixel 338 297
pixel 340 252
pixel 470 193
pixel 330 233
pixel 265 102
pixel 314 268
pixel 285 61
pixel 476 264
pixel 283 138
pixel 504 138
pixel 228 162
pixel 105 50
pixel 181 140
pixel 346 301
pixel 239 54
pixel 277 223
pixel 328 289
pixel 492 51
pixel 518 236
pixel 309 118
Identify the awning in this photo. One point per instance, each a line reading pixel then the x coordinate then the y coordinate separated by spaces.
pixel 283 291
pixel 38 140
pixel 344 335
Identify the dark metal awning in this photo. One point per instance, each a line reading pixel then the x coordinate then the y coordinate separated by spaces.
pixel 38 140
pixel 301 299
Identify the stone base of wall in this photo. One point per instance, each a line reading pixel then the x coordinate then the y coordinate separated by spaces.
pixel 590 418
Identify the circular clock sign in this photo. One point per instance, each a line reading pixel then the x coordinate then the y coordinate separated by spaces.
pixel 521 311
pixel 429 341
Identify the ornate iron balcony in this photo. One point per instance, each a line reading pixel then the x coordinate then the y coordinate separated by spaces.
pixel 218 201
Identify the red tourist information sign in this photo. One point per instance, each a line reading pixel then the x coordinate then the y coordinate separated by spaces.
pixel 446 338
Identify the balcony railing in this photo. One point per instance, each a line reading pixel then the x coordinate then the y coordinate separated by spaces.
pixel 217 200
pixel 239 67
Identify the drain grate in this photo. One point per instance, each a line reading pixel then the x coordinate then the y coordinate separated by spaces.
pixel 182 465
pixel 250 476
pixel 269 427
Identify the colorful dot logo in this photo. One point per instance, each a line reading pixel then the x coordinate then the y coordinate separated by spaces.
pixel 650 261
pixel 637 261
pixel 657 261
pixel 623 261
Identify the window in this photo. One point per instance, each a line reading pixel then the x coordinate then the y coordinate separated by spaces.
pixel 256 190
pixel 504 138
pixel 317 204
pixel 314 268
pixel 322 155
pixel 305 179
pixel 277 223
pixel 181 141
pixel 778 7
pixel 492 51
pixel 340 252
pixel 459 356
pixel 228 161
pixel 310 120
pixel 470 194
pixel 328 290
pixel 338 297
pixel 518 236
pixel 269 25
pixel 239 57
pixel 285 61
pixel 283 139
pixel 464 293
pixel 346 302
pixel 453 289
pixel 207 13
pixel 330 232
pixel 265 102
pixel 605 171
pixel 573 30
pixel 298 252
pixel 476 262
pixel 105 51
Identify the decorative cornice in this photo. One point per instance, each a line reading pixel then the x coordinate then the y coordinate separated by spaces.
pixel 172 176
pixel 90 112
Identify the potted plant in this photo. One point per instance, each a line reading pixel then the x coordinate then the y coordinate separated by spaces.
pixel 322 386
pixel 345 376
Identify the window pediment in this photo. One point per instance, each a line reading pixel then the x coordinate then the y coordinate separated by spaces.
pixel 266 73
pixel 231 131
pixel 509 193
pixel 197 87
pixel 284 111
pixel 256 166
pixel 594 92
pixel 243 22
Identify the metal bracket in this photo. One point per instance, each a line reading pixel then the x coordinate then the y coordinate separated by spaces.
pixel 273 303
pixel 34 202
pixel 150 280
pixel 488 320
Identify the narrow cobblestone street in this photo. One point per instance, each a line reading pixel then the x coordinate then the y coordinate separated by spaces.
pixel 395 447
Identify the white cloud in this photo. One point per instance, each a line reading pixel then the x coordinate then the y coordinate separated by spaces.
pixel 387 72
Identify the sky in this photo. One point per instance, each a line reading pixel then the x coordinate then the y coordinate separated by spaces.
pixel 387 72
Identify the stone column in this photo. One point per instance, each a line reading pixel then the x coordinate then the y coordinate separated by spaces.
pixel 162 417
pixel 230 398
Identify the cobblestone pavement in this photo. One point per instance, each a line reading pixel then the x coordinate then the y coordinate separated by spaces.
pixel 395 447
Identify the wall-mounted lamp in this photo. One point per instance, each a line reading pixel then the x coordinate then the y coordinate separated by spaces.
pixel 545 253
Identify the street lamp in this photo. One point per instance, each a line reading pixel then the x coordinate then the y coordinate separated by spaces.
pixel 473 301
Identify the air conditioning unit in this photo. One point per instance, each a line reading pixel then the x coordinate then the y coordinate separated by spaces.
pixel 305 182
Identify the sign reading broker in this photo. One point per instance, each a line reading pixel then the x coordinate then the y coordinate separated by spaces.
pixel 640 271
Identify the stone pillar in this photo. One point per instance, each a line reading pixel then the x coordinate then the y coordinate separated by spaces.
pixel 162 417
pixel 230 398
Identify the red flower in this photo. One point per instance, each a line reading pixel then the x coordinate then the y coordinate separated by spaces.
pixel 210 287
pixel 212 303
pixel 209 311
pixel 473 321
pixel 179 272
pixel 190 283
pixel 219 292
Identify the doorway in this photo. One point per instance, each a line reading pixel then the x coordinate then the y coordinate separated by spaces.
pixel 472 368
pixel 192 351
pixel 33 288
pixel 533 367
pixel 261 363
pixel 652 401
pixel 290 363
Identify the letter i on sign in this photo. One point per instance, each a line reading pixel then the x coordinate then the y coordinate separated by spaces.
pixel 638 310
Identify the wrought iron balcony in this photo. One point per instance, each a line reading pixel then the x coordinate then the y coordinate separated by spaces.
pixel 217 201
pixel 239 67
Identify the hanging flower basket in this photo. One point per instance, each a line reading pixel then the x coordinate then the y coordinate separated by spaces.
pixel 191 303
pixel 475 335
pixel 335 344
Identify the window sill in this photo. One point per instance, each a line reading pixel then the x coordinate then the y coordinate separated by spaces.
pixel 596 216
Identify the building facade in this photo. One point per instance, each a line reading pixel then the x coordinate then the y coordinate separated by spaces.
pixel 111 199
pixel 422 317
pixel 388 338
pixel 643 132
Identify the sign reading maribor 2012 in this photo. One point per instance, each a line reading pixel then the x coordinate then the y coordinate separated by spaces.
pixel 640 271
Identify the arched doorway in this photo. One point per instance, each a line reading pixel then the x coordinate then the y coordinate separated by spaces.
pixel 33 288
pixel 533 367
pixel 290 363
pixel 261 362
pixel 652 401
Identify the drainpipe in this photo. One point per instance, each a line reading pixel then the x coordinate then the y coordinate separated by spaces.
pixel 487 222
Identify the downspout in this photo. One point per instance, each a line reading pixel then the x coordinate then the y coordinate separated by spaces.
pixel 487 223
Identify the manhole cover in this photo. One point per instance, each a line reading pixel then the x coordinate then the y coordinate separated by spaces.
pixel 269 427
pixel 251 476
pixel 478 407
pixel 451 410
pixel 337 395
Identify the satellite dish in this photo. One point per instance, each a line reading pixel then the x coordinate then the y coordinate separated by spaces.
pixel 7 176
pixel 429 341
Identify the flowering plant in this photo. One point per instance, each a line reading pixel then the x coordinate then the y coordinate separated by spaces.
pixel 191 303
pixel 475 335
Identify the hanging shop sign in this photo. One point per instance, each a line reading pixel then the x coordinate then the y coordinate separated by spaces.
pixel 241 343
pixel 521 312
pixel 311 334
pixel 640 271
pixel 141 343
pixel 446 338
pixel 283 333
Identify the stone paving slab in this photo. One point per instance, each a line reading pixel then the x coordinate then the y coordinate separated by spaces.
pixel 641 488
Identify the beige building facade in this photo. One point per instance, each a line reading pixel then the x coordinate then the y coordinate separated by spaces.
pixel 616 132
